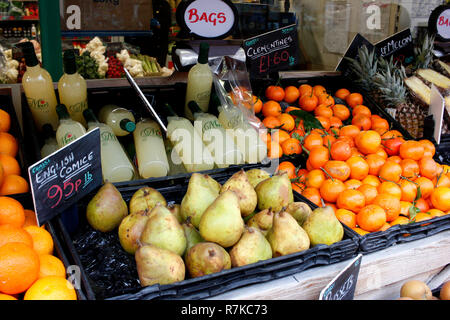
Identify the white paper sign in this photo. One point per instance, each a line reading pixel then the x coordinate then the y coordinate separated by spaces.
pixel 437 108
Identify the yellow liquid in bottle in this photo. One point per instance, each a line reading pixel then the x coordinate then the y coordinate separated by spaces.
pixel 113 115
pixel 73 93
pixel 68 131
pixel 49 147
pixel 199 86
pixel 150 150
pixel 39 91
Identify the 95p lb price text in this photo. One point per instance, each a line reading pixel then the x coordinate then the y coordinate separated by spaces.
pixel 228 309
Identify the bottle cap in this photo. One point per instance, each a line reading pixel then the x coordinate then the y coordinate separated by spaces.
pixel 62 112
pixel 89 116
pixel 29 54
pixel 127 125
pixel 70 65
pixel 204 53
pixel 194 107
pixel 47 131
pixel 170 111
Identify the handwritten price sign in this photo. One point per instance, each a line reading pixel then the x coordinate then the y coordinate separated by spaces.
pixel 66 176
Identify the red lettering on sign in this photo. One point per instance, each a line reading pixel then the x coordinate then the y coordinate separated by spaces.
pixel 222 18
pixel 204 17
pixel 212 17
pixel 193 15
pixel 443 21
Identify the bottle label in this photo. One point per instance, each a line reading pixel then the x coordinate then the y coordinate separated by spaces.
pixel 78 107
pixel 150 132
pixel 204 96
pixel 107 137
pixel 68 138
pixel 38 104
pixel 209 125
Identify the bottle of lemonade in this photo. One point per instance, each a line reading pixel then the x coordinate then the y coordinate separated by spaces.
pixel 150 151
pixel 121 120
pixel 39 91
pixel 199 82
pixel 50 145
pixel 68 130
pixel 72 89
pixel 188 144
pixel 215 137
pixel 116 166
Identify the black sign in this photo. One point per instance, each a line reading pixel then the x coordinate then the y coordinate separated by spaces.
pixel 343 286
pixel 273 51
pixel 352 52
pixel 399 45
pixel 66 176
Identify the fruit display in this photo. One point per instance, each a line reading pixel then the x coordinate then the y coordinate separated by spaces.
pixel 11 181
pixel 29 269
pixel 419 290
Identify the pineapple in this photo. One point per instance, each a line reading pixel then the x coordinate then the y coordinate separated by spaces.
pixel 424 53
pixel 364 69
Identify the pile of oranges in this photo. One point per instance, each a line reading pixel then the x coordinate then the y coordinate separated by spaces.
pixel 28 268
pixel 369 174
pixel 11 182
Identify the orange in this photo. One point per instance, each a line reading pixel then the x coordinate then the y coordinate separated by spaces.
pixel 353 184
pixel 5 121
pixel 289 168
pixel 350 131
pixel 422 205
pixel 10 165
pixel 382 153
pixel 354 99
pixel 323 110
pixel 19 267
pixel 436 213
pixel 390 204
pixel 428 167
pixel 274 150
pixel 13 184
pixel 335 123
pixel 368 141
pixel 5 297
pixel 360 231
pixel 359 168
pixel 346 217
pixel 301 175
pixel 257 104
pixel 341 112
pixel 42 240
pixel 390 188
pixel 51 288
pixel 397 159
pixel 265 137
pixel 391 134
pixel 400 220
pixel 325 122
pixel 361 110
pixel 355 152
pixel 291 94
pixel 428 146
pixel 379 125
pixel 315 179
pixel 426 186
pixel 30 218
pixel 341 150
pixel 287 122
pixel 392 145
pixel 11 212
pixel 313 195
pixel 339 170
pixel 352 200
pixel 305 89
pixel 390 171
pixel 332 206
pixel 272 122
pixel 8 234
pixel 371 180
pixel 422 216
pixel 308 102
pixel 326 99
pixel 330 189
pixel 2 174
pixel 441 181
pixel 329 140
pixel 362 121
pixel 275 93
pixel 371 218
pixel 291 108
pixel 440 198
pixel 291 146
pixel 370 192
pixel 384 227
pixel 319 90
pixel 318 157
pixel 271 108
pixel 51 266
pixel 313 140
pixel 8 144
pixel 412 150
pixel 342 93
pixel 375 163
pixel 410 168
pixel 404 208
pixel 409 190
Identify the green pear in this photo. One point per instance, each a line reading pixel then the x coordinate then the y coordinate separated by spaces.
pixel 207 258
pixel 262 220
pixel 323 227
pixel 251 248
pixel 255 176
pixel 202 191
pixel 300 211
pixel 192 235
pixel 175 209
pixel 158 266
pixel 222 222
pixel 145 199
pixel 275 192
pixel 286 236
pixel 244 190
pixel 164 231
pixel 130 230
pixel 106 209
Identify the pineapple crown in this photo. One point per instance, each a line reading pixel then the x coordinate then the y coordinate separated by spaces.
pixel 424 52
pixel 364 68
pixel 389 82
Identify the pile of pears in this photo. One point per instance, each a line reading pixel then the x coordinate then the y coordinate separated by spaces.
pixel 251 217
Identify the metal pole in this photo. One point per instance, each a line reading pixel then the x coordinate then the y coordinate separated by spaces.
pixel 50 22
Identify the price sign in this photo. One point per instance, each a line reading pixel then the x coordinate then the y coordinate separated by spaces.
pixel 399 45
pixel 352 52
pixel 273 51
pixel 66 176
pixel 343 286
pixel 437 109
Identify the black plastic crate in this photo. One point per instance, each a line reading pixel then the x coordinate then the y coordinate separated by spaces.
pixel 202 287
